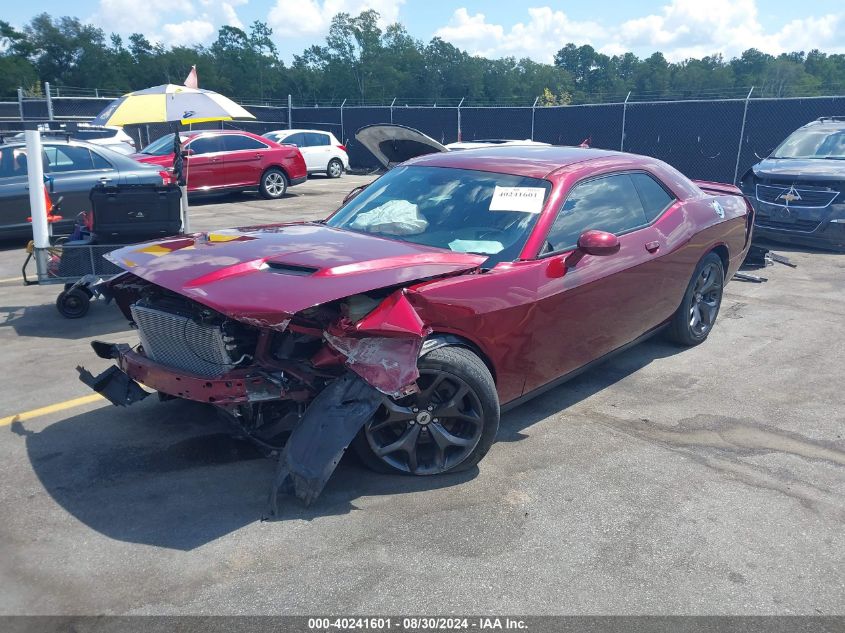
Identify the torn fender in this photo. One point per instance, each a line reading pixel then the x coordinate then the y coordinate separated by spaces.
pixel 383 347
pixel 319 440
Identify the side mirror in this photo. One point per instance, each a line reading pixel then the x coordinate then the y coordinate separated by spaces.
pixel 353 193
pixel 594 242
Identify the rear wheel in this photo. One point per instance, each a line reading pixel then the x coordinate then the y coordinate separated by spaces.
pixel 447 427
pixel 335 168
pixel 696 316
pixel 274 184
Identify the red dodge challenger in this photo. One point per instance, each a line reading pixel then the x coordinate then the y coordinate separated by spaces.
pixel 450 288
pixel 231 160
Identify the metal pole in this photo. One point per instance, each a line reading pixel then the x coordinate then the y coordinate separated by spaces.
pixel 342 135
pixel 49 101
pixel 391 109
pixel 459 119
pixel 533 108
pixel 37 202
pixel 624 113
pixel 742 134
pixel 20 102
pixel 290 115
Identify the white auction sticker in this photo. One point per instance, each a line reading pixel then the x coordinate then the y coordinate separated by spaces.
pixel 527 199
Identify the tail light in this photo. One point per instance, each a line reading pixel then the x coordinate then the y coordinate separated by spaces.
pixel 166 177
pixel 342 147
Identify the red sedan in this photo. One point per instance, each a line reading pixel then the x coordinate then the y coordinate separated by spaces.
pixel 231 160
pixel 453 286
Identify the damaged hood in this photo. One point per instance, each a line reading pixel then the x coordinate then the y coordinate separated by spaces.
pixel 394 144
pixel 801 168
pixel 264 275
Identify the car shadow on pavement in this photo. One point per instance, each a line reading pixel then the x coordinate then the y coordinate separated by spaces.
pixel 44 321
pixel 172 475
pixel 583 386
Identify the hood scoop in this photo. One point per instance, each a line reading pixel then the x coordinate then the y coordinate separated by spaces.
pixel 290 269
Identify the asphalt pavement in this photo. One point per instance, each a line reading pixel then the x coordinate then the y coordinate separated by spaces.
pixel 667 481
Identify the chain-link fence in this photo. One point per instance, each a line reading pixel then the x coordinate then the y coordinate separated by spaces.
pixel 707 139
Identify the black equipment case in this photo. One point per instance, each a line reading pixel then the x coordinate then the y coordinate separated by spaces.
pixel 134 213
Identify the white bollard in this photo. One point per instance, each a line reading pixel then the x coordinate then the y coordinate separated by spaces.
pixel 35 176
pixel 184 205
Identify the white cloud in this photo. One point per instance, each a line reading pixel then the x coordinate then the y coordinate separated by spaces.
pixel 540 37
pixel 188 32
pixel 680 30
pixel 170 22
pixel 123 16
pixel 301 18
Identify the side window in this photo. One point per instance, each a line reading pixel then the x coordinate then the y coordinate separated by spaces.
pixel 316 139
pixel 609 203
pixel 297 139
pixel 100 162
pixel 206 145
pixel 9 164
pixel 68 158
pixel 654 197
pixel 236 142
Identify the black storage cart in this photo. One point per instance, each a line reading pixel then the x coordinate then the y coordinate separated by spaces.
pixel 122 214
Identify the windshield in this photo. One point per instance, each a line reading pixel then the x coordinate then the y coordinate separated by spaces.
pixel 813 143
pixel 457 209
pixel 161 146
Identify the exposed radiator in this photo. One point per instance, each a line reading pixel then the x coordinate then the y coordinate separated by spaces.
pixel 179 342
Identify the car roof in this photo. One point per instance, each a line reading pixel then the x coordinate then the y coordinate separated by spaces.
pixel 295 131
pixel 54 140
pixel 122 161
pixel 832 123
pixel 192 133
pixel 532 161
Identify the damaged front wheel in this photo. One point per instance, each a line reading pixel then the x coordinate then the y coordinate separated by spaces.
pixel 448 426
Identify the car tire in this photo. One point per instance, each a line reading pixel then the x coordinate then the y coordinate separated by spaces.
pixel 335 168
pixel 695 317
pixel 73 303
pixel 274 184
pixel 425 443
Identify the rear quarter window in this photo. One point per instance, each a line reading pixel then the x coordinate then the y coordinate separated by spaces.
pixel 653 195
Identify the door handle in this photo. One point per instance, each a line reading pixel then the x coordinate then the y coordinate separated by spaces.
pixel 258 156
pixel 652 247
pixel 214 160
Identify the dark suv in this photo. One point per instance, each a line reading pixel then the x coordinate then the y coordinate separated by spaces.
pixel 798 190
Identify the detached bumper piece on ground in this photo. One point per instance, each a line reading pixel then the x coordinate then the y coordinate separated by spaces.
pixel 760 257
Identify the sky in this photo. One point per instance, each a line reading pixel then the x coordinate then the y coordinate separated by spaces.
pixel 680 29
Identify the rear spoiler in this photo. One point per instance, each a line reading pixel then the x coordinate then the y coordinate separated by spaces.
pixel 718 188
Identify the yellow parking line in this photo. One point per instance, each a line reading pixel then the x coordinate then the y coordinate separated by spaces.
pixel 52 408
pixel 18 278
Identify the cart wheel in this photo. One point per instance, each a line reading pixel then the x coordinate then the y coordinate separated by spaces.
pixel 73 303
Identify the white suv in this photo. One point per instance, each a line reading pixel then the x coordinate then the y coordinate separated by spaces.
pixel 322 152
pixel 110 136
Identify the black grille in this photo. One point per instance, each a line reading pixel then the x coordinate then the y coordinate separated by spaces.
pixel 804 226
pixel 796 196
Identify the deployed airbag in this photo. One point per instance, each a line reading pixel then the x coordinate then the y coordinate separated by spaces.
pixel 395 217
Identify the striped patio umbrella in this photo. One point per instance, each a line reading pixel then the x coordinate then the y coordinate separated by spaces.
pixel 170 103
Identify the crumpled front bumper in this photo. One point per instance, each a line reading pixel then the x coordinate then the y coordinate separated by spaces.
pixel 121 384
pixel 803 227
